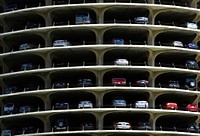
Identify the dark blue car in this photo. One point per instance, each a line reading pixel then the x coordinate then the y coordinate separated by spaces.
pixel 118 41
pixel 192 46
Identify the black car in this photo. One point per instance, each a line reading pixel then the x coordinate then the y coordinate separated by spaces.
pixel 10 7
pixel 61 124
pixel 25 108
pixel 192 64
pixel 61 105
pixel 173 84
pixel 10 89
pixel 144 126
pixel 28 130
pixel 59 84
pixel 142 83
pixel 85 82
pixel 193 127
pixel 190 84
pixel 9 108
pixel 87 126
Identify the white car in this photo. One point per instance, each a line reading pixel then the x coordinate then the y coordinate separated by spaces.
pixel 141 104
pixel 122 125
pixel 177 44
pixel 192 25
pixel 85 104
pixel 121 62
pixel 61 43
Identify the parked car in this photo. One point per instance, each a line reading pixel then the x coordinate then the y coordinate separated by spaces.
pixel 192 64
pixel 190 84
pixel 118 81
pixel 173 84
pixel 118 102
pixel 123 62
pixel 141 104
pixel 31 86
pixel 192 46
pixel 10 89
pixel 33 24
pixel 61 105
pixel 85 104
pixel 118 41
pixel 7 132
pixel 10 7
pixel 26 46
pixel 193 127
pixel 192 25
pixel 61 124
pixel 144 126
pixel 141 20
pixel 87 126
pixel 142 83
pixel 59 84
pixel 61 43
pixel 177 44
pixel 171 106
pixel 192 107
pixel 9 108
pixel 122 125
pixel 85 82
pixel 25 108
pixel 28 66
pixel 83 18
pixel 28 130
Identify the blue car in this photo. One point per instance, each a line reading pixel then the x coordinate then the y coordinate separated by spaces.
pixel 192 46
pixel 118 41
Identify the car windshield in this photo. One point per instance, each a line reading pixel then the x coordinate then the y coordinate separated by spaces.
pixel 82 14
pixel 120 100
pixel 9 105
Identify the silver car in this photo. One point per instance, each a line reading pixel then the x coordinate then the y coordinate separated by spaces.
pixel 85 104
pixel 61 43
pixel 141 20
pixel 141 104
pixel 123 62
pixel 119 102
pixel 83 18
pixel 122 125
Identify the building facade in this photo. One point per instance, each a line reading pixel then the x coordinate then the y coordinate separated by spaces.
pixel 100 67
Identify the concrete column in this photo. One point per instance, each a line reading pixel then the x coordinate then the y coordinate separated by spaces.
pixel 99 99
pixel 47 81
pixel 48 41
pixel 152 121
pixel 99 78
pixel 99 57
pixel 47 102
pixel 99 121
pixel 151 1
pixel 48 19
pixel 151 58
pixel 48 2
pixel 46 122
pixel 48 61
pixel 193 3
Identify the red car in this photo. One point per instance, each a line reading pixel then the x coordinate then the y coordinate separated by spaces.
pixel 172 106
pixel 119 81
pixel 192 107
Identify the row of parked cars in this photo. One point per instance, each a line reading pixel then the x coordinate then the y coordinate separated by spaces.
pixel 190 84
pixel 117 41
pixel 62 124
pixel 117 102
